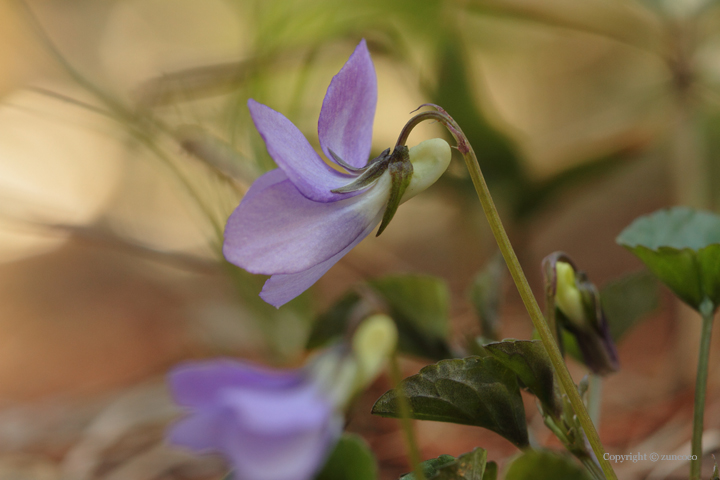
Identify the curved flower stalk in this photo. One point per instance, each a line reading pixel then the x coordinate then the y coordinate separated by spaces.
pixel 276 424
pixel 297 221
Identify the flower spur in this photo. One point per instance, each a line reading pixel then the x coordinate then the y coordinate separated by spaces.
pixel 297 221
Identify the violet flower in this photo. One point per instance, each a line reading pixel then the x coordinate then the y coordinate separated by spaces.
pixel 297 221
pixel 270 425
pixel 282 424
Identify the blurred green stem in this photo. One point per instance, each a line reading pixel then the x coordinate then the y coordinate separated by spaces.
pixel 122 114
pixel 405 421
pixel 706 309
pixel 518 275
pixel 594 397
pixel 692 182
pixel 593 468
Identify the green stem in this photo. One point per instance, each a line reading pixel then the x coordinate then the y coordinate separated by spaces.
pixel 546 335
pixel 706 309
pixel 405 422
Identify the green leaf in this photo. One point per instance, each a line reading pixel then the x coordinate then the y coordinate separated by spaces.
pixel 681 247
pixel 491 471
pixel 628 300
pixel 530 362
pixel 470 391
pixel 485 295
pixel 469 466
pixel 419 305
pixel 333 323
pixel 430 467
pixel 545 465
pixel 351 459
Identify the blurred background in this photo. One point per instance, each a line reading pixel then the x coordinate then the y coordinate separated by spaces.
pixel 125 142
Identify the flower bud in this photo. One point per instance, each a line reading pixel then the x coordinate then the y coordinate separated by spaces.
pixel 374 341
pixel 345 370
pixel 578 309
pixel 567 296
pixel 429 159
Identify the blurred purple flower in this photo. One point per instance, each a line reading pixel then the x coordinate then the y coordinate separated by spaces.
pixel 270 425
pixel 290 224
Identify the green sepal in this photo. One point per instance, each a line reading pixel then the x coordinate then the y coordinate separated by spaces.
pixel 401 171
pixel 370 174
pixel 470 391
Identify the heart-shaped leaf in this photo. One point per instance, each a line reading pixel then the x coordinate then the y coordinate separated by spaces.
pixel 351 459
pixel 628 300
pixel 333 323
pixel 545 465
pixel 485 294
pixel 530 362
pixel 681 247
pixel 470 391
pixel 418 304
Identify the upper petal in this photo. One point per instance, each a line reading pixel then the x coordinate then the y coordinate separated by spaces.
pixel 279 231
pixel 348 110
pixel 200 384
pixel 280 289
pixel 295 156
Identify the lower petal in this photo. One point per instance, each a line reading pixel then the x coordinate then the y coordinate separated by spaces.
pixel 276 230
pixel 280 289
pixel 294 456
pixel 200 432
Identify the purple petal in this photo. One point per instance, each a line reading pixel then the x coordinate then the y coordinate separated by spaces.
pixel 272 412
pixel 348 110
pixel 200 384
pixel 264 181
pixel 279 231
pixel 201 431
pixel 296 456
pixel 280 289
pixel 295 156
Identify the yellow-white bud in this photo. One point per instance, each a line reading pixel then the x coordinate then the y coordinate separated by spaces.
pixel 567 296
pixel 429 160
pixel 373 343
